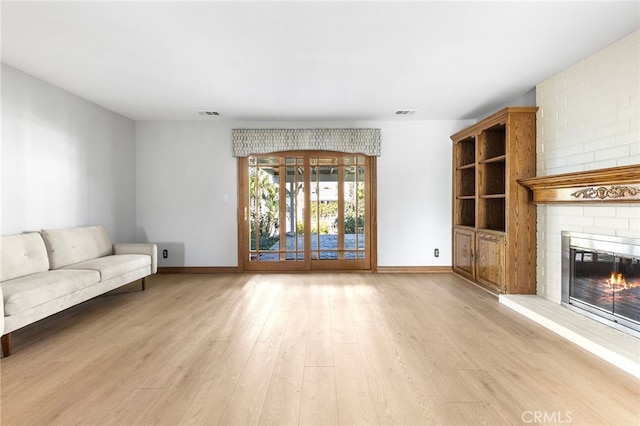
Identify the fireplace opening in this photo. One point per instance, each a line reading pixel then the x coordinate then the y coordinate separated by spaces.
pixel 601 277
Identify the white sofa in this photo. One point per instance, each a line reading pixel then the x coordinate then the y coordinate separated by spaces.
pixel 42 273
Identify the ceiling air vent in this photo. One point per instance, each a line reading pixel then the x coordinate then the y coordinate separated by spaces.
pixel 209 113
pixel 406 111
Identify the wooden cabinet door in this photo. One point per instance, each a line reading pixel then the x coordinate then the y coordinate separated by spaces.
pixel 463 243
pixel 490 260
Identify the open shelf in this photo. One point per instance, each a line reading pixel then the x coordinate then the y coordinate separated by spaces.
pixel 466 166
pixel 465 212
pixel 492 178
pixel 492 142
pixel 465 182
pixel 465 155
pixel 499 158
pixel 492 214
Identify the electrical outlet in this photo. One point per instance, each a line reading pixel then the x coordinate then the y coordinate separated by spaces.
pixel 165 253
pixel 436 252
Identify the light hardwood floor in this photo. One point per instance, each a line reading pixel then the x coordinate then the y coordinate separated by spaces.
pixel 306 349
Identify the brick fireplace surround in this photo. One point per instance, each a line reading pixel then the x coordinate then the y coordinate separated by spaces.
pixel 588 127
pixel 591 189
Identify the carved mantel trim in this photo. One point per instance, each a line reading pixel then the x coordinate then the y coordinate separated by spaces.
pixel 611 185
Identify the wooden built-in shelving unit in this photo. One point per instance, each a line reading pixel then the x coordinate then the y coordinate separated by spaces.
pixel 494 221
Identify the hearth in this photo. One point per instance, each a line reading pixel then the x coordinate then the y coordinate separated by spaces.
pixel 601 278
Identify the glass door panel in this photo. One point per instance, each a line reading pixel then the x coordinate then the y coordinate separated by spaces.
pixel 275 208
pixel 292 233
pixel 338 211
pixel 324 208
pixel 355 211
pixel 307 211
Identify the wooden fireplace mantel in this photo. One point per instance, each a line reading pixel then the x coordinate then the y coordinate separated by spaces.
pixel 615 184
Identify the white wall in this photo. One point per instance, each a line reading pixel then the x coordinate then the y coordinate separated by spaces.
pixel 187 189
pixel 65 161
pixel 186 183
pixel 589 118
pixel 414 192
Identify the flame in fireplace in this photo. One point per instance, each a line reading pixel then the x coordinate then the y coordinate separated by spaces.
pixel 617 282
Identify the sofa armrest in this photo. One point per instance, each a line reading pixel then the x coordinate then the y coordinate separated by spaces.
pixel 1 312
pixel 139 248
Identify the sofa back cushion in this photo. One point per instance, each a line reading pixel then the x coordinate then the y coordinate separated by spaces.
pixel 73 245
pixel 21 255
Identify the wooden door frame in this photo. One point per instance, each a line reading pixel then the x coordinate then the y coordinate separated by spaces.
pixel 243 213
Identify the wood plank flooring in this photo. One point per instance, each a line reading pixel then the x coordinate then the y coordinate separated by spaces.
pixel 305 349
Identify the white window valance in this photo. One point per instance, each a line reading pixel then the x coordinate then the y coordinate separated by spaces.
pixel 263 141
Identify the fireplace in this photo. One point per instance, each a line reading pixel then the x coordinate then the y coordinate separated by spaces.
pixel 601 278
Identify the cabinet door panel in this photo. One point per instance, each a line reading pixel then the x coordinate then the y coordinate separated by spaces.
pixel 463 251
pixel 490 260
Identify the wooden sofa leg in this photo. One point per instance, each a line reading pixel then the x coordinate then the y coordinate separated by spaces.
pixel 143 285
pixel 6 344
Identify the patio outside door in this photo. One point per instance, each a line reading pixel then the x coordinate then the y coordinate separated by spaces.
pixel 306 211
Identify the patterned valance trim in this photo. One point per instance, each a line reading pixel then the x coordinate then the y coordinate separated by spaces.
pixel 263 141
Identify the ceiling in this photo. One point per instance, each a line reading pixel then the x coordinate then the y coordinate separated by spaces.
pixel 303 60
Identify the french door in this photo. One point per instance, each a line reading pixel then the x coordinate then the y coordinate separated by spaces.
pixel 306 210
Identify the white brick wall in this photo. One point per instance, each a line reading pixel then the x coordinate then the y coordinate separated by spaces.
pixel 588 118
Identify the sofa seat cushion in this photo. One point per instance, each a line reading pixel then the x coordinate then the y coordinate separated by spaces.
pixel 114 265
pixel 24 293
